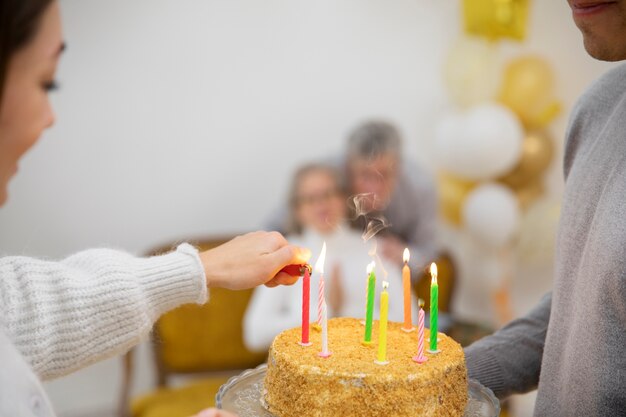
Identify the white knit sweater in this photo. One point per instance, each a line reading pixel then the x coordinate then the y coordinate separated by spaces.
pixel 63 316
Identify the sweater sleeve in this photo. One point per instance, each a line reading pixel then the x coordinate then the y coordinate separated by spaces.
pixel 509 361
pixel 63 316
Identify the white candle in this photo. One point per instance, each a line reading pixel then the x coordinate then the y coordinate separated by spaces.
pixel 325 352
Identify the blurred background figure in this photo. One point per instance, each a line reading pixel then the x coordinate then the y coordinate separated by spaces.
pixel 387 195
pixel 318 214
pixel 388 189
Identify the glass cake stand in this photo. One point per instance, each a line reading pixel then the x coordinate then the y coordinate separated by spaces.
pixel 242 395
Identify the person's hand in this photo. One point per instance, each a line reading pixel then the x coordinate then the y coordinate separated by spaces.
pixel 214 412
pixel 251 260
pixel 335 291
pixel 391 248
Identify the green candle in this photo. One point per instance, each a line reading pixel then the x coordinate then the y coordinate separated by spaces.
pixel 434 307
pixel 371 294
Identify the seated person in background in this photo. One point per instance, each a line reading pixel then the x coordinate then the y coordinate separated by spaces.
pixel 385 187
pixel 404 195
pixel 318 213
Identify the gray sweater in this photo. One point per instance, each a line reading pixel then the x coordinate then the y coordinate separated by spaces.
pixel 573 344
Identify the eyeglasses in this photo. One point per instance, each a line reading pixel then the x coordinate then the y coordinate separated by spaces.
pixel 321 197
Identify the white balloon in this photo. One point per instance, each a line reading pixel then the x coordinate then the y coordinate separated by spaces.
pixel 491 214
pixel 471 72
pixel 482 143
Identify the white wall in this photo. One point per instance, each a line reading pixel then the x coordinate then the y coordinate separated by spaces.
pixel 186 118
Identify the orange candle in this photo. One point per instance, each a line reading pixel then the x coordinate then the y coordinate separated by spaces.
pixel 406 283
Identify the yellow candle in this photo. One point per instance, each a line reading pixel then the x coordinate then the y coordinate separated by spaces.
pixel 382 329
pixel 406 283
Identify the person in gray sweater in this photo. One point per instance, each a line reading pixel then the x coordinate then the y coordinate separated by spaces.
pixel 572 346
pixel 390 197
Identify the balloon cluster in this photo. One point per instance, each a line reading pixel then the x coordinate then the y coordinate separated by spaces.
pixel 493 151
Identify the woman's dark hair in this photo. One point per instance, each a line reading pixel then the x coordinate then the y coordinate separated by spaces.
pixel 19 20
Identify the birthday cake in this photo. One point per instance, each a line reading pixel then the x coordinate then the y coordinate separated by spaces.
pixel 350 383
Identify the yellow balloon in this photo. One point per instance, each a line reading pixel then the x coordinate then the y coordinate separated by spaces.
pixel 528 194
pixel 471 72
pixel 528 89
pixel 496 19
pixel 536 157
pixel 452 193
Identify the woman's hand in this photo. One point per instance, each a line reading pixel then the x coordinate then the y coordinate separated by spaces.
pixel 251 260
pixel 214 412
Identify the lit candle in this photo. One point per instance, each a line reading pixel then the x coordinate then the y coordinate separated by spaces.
pixel 367 280
pixel 321 299
pixel 371 293
pixel 420 357
pixel 306 298
pixel 382 330
pixel 406 283
pixel 434 308
pixel 325 352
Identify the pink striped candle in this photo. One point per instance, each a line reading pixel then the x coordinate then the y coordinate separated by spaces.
pixel 321 299
pixel 420 357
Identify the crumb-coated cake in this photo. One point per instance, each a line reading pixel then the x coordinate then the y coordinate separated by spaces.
pixel 300 383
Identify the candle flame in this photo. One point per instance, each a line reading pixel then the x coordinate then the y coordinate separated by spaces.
pixel 433 272
pixel 385 285
pixel 319 265
pixel 370 267
pixel 406 255
pixel 420 303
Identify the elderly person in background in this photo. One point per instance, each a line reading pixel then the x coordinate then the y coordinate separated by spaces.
pixel 388 195
pixel 388 189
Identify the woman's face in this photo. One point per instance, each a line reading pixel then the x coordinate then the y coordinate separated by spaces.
pixel 320 205
pixel 25 110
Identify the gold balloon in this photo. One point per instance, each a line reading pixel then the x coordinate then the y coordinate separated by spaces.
pixel 496 19
pixel 536 157
pixel 528 89
pixel 452 193
pixel 528 194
